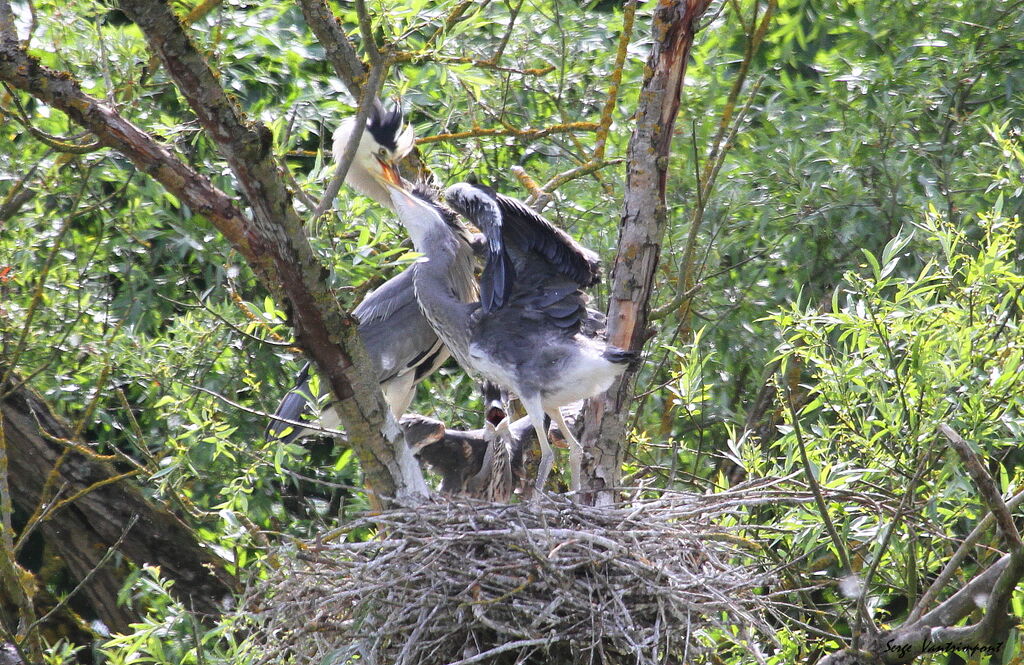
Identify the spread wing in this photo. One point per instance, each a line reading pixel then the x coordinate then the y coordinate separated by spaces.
pixel 531 266
pixel 527 230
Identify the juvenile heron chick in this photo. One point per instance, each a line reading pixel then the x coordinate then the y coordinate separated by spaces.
pixel 524 333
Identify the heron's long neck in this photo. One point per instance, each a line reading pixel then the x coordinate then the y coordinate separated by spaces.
pixel 361 181
pixel 444 283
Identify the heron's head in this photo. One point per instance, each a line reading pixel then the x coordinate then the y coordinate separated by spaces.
pixel 420 214
pixel 495 398
pixel 385 141
pixel 477 203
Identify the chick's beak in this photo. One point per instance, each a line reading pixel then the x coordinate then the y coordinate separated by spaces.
pixel 401 197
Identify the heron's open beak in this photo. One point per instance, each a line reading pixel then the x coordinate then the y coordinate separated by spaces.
pixel 495 413
pixel 390 173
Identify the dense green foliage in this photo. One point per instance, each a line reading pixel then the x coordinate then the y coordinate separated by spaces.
pixel 858 259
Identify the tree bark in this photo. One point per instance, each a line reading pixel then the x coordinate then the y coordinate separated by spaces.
pixel 46 465
pixel 277 233
pixel 337 47
pixel 641 231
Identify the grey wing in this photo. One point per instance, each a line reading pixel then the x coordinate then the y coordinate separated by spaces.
pixel 397 336
pixel 552 305
pixel 526 253
pixel 544 245
pixel 296 405
pixel 477 204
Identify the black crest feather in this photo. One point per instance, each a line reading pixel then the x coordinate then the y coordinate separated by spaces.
pixel 385 125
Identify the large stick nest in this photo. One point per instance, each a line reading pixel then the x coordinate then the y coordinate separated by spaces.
pixel 545 582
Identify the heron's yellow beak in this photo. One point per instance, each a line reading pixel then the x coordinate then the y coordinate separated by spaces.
pixel 389 173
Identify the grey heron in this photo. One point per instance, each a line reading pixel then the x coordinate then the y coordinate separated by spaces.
pixel 465 459
pixel 494 480
pixel 401 343
pixel 524 333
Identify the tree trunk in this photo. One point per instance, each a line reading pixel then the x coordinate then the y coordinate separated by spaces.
pixel 641 230
pixel 46 465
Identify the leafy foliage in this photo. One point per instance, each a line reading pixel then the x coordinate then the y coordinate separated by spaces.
pixel 857 258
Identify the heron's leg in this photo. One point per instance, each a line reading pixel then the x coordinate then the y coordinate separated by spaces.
pixel 575 449
pixel 502 476
pixel 535 410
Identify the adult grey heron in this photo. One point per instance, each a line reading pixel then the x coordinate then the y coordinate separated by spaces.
pixel 401 343
pixel 525 331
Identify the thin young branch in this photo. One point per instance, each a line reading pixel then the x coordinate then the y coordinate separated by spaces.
pixel 36 302
pixel 812 482
pixel 500 51
pixel 114 548
pixel 341 168
pixel 200 10
pixel 55 142
pixel 578 172
pixel 526 132
pixel 305 198
pixel 419 56
pixel 727 125
pixel 863 615
pixel 366 30
pixel 454 16
pixel 628 18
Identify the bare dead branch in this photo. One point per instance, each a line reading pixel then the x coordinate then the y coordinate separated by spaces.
pixel 643 224
pixel 948 570
pixel 986 488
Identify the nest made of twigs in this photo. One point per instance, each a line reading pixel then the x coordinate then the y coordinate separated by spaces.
pixel 550 581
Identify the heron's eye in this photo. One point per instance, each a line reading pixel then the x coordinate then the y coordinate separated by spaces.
pixel 383 153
